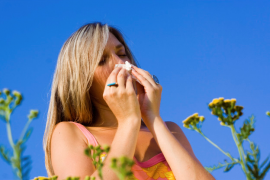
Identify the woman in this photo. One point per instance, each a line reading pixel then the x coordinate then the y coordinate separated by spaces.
pixel 85 110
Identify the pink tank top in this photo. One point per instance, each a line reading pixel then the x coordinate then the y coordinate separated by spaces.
pixel 155 168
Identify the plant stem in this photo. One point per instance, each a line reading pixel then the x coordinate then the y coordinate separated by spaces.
pixel 240 150
pixel 9 134
pixel 25 129
pixel 227 154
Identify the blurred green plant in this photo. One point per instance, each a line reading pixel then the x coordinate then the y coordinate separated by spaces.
pixel 21 165
pixel 94 152
pixel 121 166
pixel 227 112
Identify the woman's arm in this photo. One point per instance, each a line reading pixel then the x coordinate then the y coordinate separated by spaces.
pixel 68 145
pixel 178 152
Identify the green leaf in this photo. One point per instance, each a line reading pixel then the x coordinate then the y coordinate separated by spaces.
pixel 5 154
pixel 246 129
pixel 229 166
pixel 250 168
pixel 264 162
pixel 265 171
pixel 27 135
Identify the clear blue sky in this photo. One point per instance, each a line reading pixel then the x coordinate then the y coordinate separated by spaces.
pixel 199 50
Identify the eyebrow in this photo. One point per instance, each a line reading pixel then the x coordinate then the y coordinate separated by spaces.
pixel 119 46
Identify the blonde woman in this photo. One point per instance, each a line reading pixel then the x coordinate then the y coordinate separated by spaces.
pixel 85 109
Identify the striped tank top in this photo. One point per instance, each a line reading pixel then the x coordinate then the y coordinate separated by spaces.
pixel 155 168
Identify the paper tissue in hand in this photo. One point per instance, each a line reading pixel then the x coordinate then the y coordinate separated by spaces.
pixel 127 66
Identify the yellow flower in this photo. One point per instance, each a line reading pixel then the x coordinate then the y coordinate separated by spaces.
pixel 103 156
pixel 222 123
pixel 216 102
pixel 192 120
pixel 45 178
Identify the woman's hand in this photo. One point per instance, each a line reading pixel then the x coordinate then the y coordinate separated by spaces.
pixel 148 94
pixel 122 99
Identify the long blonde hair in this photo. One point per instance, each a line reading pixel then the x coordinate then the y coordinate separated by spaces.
pixel 70 98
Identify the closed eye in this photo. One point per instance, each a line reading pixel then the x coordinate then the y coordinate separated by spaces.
pixel 103 61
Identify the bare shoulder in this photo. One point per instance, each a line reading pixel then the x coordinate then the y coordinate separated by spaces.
pixel 179 135
pixel 67 131
pixel 67 151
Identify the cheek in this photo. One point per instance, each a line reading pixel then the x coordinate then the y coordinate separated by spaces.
pixel 100 77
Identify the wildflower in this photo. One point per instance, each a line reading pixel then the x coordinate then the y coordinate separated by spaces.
pixel 216 102
pixel 192 121
pixel 268 113
pixel 225 110
pixel 18 97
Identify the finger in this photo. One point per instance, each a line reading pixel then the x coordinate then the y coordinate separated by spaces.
pixel 142 79
pixel 112 78
pixel 121 78
pixel 129 84
pixel 145 74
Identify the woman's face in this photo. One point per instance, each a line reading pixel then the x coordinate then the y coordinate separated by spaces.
pixel 114 53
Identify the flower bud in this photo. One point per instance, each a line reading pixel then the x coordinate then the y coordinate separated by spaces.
pixel 16 93
pixel 106 148
pixel 222 123
pixel 6 91
pixel 2 101
pixel 18 97
pixel 233 101
pixel 33 114
pixel 201 118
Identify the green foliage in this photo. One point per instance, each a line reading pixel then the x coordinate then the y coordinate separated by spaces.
pixel 21 164
pixel 252 162
pixel 122 167
pixel 228 166
pixel 94 153
pixel 227 112
pixel 246 130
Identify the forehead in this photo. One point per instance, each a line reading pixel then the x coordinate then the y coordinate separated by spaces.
pixel 112 42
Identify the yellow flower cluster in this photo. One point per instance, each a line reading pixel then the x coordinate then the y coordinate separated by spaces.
pixel 192 121
pixel 219 106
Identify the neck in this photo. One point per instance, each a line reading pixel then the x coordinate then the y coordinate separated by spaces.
pixel 103 116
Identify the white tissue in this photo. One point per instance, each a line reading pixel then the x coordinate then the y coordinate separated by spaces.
pixel 127 66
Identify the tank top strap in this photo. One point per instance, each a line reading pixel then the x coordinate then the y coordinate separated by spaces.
pixel 90 137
